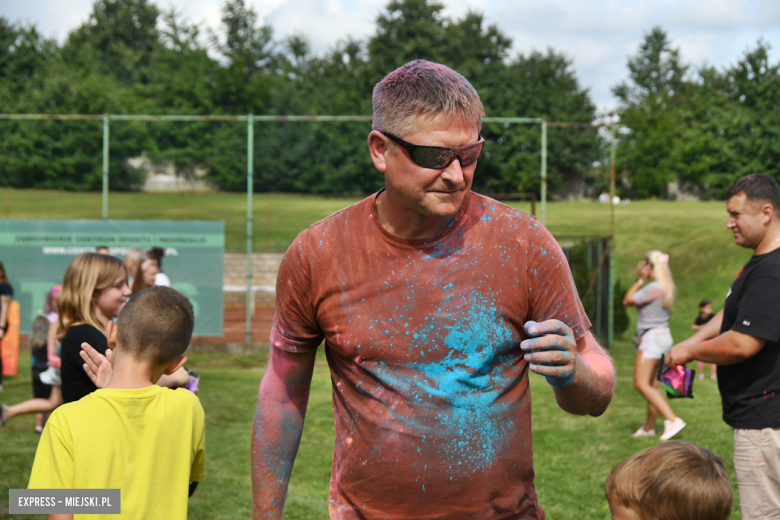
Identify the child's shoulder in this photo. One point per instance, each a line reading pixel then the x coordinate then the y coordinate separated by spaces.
pixel 184 397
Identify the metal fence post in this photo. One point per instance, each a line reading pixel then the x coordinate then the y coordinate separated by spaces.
pixel 611 295
pixel 105 166
pixel 544 172
pixel 250 148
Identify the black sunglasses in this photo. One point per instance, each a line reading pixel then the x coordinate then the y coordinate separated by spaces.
pixel 439 157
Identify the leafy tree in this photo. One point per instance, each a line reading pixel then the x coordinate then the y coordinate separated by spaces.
pixel 649 110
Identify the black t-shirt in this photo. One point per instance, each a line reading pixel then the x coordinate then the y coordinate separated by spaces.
pixel 75 382
pixel 40 358
pixel 750 390
pixel 6 290
pixel 702 321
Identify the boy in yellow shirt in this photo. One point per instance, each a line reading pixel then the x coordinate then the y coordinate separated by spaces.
pixel 146 440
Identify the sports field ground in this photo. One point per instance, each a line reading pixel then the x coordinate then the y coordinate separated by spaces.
pixel 573 455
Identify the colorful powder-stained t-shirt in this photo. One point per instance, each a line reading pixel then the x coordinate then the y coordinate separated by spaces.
pixel 430 389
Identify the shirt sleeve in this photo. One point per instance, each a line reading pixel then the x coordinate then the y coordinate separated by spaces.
pixel 647 294
pixel 757 314
pixel 551 290
pixel 198 469
pixel 295 327
pixel 162 279
pixel 53 465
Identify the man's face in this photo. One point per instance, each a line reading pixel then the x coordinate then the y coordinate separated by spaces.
pixel 747 220
pixel 427 191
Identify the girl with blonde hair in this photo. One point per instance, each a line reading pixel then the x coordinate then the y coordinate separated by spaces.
pixel 94 290
pixel 654 339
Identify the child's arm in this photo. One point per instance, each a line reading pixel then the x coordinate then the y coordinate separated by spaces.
pixel 178 379
pixel 61 516
pixel 51 345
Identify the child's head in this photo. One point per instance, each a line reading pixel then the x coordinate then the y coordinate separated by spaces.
pixel 705 307
pixel 38 332
pixel 155 325
pixel 93 287
pixel 51 300
pixel 672 481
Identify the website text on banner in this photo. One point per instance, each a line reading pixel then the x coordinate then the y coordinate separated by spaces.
pixel 37 252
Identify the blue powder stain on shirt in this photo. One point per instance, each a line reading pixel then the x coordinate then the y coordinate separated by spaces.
pixel 320 242
pixel 486 218
pixel 471 378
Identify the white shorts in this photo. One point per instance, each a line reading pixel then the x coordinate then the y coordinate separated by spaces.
pixel 656 342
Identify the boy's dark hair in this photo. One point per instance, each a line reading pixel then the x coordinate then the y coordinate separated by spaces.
pixel 156 324
pixel 672 481
pixel 757 187
pixel 156 253
pixel 704 302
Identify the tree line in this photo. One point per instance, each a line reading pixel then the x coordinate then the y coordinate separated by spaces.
pixel 131 57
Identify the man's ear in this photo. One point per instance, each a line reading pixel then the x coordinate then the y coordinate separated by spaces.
pixel 768 212
pixel 378 148
pixel 111 332
pixel 175 365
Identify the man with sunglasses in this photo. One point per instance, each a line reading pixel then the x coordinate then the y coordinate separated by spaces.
pixel 434 303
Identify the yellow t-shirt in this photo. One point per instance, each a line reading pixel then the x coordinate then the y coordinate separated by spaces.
pixel 147 442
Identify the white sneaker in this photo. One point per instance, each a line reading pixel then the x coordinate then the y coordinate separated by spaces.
pixel 641 432
pixel 672 428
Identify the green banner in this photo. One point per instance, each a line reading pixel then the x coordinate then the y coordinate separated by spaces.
pixel 37 252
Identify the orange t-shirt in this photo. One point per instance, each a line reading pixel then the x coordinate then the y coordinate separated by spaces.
pixel 430 389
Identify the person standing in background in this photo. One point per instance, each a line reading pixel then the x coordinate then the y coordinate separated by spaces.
pixel 134 257
pixel 705 315
pixel 6 295
pixel 156 254
pixel 743 339
pixel 655 302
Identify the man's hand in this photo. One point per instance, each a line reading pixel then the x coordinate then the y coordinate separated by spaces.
pixel 96 365
pixel 679 355
pixel 551 351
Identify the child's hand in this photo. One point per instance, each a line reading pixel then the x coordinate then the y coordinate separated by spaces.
pixel 97 366
pixel 54 360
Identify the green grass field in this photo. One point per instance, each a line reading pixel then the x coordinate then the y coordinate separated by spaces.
pixel 573 455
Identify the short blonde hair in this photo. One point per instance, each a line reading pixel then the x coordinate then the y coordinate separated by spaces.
pixel 423 89
pixel 663 275
pixel 87 274
pixel 672 481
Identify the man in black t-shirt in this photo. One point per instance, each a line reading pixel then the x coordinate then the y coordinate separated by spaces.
pixel 744 340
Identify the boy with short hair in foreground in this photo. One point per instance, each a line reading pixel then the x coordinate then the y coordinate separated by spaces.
pixel 672 481
pixel 146 440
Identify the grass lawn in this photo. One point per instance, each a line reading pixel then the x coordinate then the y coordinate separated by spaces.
pixel 573 455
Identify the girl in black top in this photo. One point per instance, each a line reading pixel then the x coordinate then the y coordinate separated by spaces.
pixel 6 293
pixel 94 290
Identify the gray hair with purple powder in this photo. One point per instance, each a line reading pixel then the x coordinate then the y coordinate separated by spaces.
pixel 427 89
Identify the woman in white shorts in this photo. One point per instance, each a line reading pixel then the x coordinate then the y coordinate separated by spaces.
pixel 654 302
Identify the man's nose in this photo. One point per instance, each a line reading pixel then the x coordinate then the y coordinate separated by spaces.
pixel 453 173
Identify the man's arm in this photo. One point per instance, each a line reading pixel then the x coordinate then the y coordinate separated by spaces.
pixel 581 372
pixel 281 408
pixel 727 349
